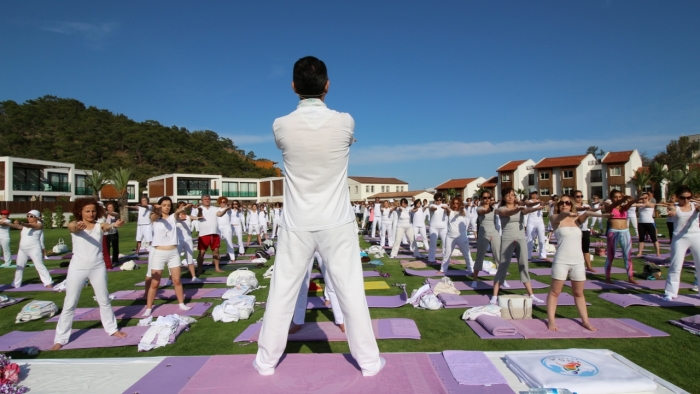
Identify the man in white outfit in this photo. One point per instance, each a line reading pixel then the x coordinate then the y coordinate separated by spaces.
pixel 5 237
pixel 315 143
pixel 535 226
pixel 377 223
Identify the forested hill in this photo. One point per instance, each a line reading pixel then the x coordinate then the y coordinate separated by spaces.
pixel 51 128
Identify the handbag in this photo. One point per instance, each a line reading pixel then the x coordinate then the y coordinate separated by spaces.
pixel 60 247
pixel 515 306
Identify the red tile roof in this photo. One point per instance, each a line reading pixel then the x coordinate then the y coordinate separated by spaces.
pixel 456 183
pixel 511 165
pixel 564 161
pixel 491 182
pixel 617 157
pixel 408 194
pixel 368 179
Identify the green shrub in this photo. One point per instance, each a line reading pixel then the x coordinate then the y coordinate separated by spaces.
pixel 47 215
pixel 59 218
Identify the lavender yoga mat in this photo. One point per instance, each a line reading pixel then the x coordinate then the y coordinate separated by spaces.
pixel 328 331
pixel 429 273
pixel 571 328
pixel 188 281
pixel 169 376
pixel 474 300
pixel 167 294
pixel 300 373
pixel 483 334
pixel 65 270
pixel 620 285
pixel 372 302
pixel 463 364
pixel 11 302
pixel 136 311
pixel 625 300
pixel 496 326
pixel 514 285
pixel 29 288
pixel 366 274
pixel 453 387
pixel 547 271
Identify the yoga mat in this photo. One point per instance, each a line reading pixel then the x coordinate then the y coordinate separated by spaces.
pixel 483 334
pixel 373 285
pixel 65 270
pixel 13 301
pixel 625 300
pixel 600 270
pixel 167 294
pixel 300 373
pixel 9 341
pixel 452 386
pixel 366 274
pixel 188 281
pixel 429 273
pixel 396 301
pixel 328 331
pixel 571 328
pixel 514 285
pixel 169 376
pixel 620 285
pixel 425 260
pixel 31 287
pixel 463 364
pixel 474 300
pixel 5 287
pixel 136 311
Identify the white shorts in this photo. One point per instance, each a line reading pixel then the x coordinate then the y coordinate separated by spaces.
pixel 144 232
pixel 576 272
pixel 161 258
pixel 254 230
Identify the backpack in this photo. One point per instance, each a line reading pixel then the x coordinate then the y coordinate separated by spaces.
pixel 128 266
pixel 268 243
pixel 271 251
pixel 260 254
pixel 242 277
pixel 36 310
pixel 651 272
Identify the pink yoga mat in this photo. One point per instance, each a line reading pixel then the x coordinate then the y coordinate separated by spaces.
pixel 620 285
pixel 65 270
pixel 372 302
pixel 429 273
pixel 514 285
pixel 599 270
pixel 366 274
pixel 328 331
pixel 136 311
pixel 29 288
pixel 474 300
pixel 625 300
pixel 188 281
pixel 167 294
pixel 571 328
pixel 448 378
pixel 14 301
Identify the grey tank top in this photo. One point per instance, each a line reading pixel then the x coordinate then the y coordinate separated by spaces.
pixel 488 224
pixel 512 226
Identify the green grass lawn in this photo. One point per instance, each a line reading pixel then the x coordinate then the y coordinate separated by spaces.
pixel 673 358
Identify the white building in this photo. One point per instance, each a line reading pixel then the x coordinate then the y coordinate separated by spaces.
pixel 620 168
pixel 410 195
pixel 191 187
pixel 518 174
pixel 362 187
pixel 465 187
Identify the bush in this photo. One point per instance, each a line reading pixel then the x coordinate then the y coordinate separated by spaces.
pixel 133 216
pixel 47 215
pixel 71 218
pixel 59 219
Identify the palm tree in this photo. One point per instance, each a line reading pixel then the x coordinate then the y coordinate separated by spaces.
pixel 478 192
pixel 119 178
pixel 520 193
pixel 659 174
pixel 641 179
pixel 451 193
pixel 96 181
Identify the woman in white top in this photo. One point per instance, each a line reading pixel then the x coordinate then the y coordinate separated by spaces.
pixel 262 219
pixel 632 218
pixel 669 219
pixel 225 229
pixel 237 221
pixel 404 227
pixel 385 222
pixel 457 223
pixel 184 239
pixel 164 252
pixel 394 220
pixel 418 221
pixel 30 248
pixel 472 216
pixel 686 235
pixel 87 263
pixel 646 224
pixel 5 237
pixel 438 225
pixel 253 223
pixel 569 261
pixel 489 233
pixel 276 216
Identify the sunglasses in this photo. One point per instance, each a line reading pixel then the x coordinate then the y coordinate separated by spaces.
pixel 485 198
pixel 564 202
pixel 579 196
pixel 685 197
pixel 31 216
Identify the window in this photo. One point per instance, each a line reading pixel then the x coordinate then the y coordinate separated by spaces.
pixel 366 188
pixel 568 174
pixel 531 179
pixel 58 182
pixel 372 188
pixel 26 179
pixel 357 189
pixel 193 187
pixel 647 188
pixel 382 188
pixel 230 189
pixel 249 189
pixel 81 188
pixel 567 190
pixel 596 176
pixel 615 171
pixel 505 178
pixel 544 176
pixel 131 192
pixel 544 191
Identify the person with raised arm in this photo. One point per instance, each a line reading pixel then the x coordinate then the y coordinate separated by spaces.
pixel 471 207
pixel 253 223
pixel 418 222
pixel 385 231
pixel 87 263
pixel 438 225
pixel 646 223
pixel 583 209
pixel 619 233
pixel 535 225
pixel 30 248
pixel 225 229
pixel 5 237
pixel 404 227
pixel 208 237
pixel 144 226
pixel 489 233
pixel 686 235
pixel 377 214
pixel 184 238
pixel 237 224
pixel 457 223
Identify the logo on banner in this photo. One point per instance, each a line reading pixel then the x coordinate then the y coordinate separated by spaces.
pixel 569 366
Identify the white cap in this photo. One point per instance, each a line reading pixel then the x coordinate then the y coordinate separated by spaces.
pixel 391 200
pixel 35 213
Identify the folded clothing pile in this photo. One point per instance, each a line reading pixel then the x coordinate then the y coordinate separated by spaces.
pixel 237 290
pixel 689 323
pixel 236 308
pixel 159 331
pixel 424 298
pixel 578 370
pixel 490 310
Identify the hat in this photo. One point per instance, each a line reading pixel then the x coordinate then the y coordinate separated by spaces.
pixel 534 191
pixel 35 213
pixel 5 212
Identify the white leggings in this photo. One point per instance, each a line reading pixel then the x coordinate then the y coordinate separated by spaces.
pixel 420 230
pixel 376 223
pixel 679 247
pixel 238 232
pixel 400 232
pixel 434 234
pixel 185 246
pixel 385 233
pixel 536 230
pixel 471 224
pixel 462 242
pixel 74 286
pixel 6 253
pixel 36 255
pixel 227 235
pixel 275 226
pixel 328 293
pixel 632 222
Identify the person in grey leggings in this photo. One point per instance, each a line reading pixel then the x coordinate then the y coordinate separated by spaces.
pixel 489 233
pixel 512 239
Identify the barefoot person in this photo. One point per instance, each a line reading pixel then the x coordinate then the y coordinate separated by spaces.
pixel 686 235
pixel 568 261
pixel 144 227
pixel 646 223
pixel 87 263
pixel 619 233
pixel 5 237
pixel 489 233
pixel 315 143
pixel 582 209
pixel 208 233
pixel 30 248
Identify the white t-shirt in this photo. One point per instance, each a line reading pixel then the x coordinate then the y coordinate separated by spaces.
pixel 224 220
pixel 277 212
pixel 386 214
pixel 31 238
pixel 583 226
pixel 253 218
pixel 5 230
pixel 404 217
pixel 165 232
pixel 457 225
pixel 237 217
pixel 87 248
pixel 377 210
pixel 184 230
pixel 471 211
pixel 646 215
pixel 534 217
pixel 419 218
pixel 438 218
pixel 262 218
pixel 144 215
pixel 208 224
pixel 315 143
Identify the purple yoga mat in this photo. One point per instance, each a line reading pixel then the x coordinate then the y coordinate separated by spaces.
pixel 496 326
pixel 171 375
pixel 65 270
pixel 664 259
pixel 299 373
pixel 328 331
pixel 14 302
pixel 514 285
pixel 136 311
pixel 483 334
pixel 453 387
pixel 30 288
pixel 9 341
pixel 429 273
pixel 167 294
pixel 547 271
pixel 571 328
pixel 474 300
pixel 188 281
pixel 366 274
pixel 625 300
pixel 620 285
pixel 372 302
pixel 463 364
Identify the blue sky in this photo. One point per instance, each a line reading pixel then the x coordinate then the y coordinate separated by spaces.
pixel 438 90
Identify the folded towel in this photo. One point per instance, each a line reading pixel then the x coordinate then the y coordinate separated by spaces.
pixel 452 300
pixel 496 326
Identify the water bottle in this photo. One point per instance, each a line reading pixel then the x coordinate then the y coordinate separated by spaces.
pixel 547 391
pixel 31 351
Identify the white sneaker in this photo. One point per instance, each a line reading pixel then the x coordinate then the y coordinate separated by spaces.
pixel 695 288
pixel 185 307
pixel 383 363
pixel 505 284
pixel 263 372
pixel 494 300
pixel 196 279
pixel 535 299
pixel 147 313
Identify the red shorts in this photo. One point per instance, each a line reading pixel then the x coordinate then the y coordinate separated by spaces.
pixel 212 241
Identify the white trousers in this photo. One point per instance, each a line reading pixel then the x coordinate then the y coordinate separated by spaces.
pixel 471 224
pixel 187 247
pixel 632 222
pixel 402 232
pixel 376 223
pixel 420 230
pixel 195 226
pixel 238 232
pixel 275 227
pixel 340 250
pixel 36 255
pixel 533 230
pixel 594 221
pixel 679 247
pixel 328 292
pixel 392 234
pixel 227 235
pixel 385 234
pixel 6 252
pixel 461 242
pixel 434 234
pixel 74 286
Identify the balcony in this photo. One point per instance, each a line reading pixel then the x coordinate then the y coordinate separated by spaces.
pixel 83 191
pixel 41 186
pixel 596 178
pixel 197 192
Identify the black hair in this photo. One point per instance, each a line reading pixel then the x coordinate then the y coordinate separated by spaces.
pixel 613 192
pixel 438 195
pixel 310 77
pixel 485 191
pixel 172 206
pixel 403 200
pixel 683 189
pixel 504 193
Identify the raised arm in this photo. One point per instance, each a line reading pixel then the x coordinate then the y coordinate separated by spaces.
pixel 503 211
pixel 527 210
pixel 110 226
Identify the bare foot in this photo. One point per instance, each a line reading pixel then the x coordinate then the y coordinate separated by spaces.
pixel 49 286
pixel 219 270
pixel 440 272
pixel 342 327
pixel 56 346
pixel 591 269
pixel 327 303
pixel 119 334
pixel 608 281
pixel 552 326
pixel 589 327
pixel 633 281
pixel 294 328
pixel 638 255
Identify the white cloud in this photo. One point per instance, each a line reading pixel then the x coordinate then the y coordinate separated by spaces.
pixel 249 139
pixel 88 30
pixel 446 149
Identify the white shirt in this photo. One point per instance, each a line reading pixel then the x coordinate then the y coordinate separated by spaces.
pixel 377 209
pixel 315 143
pixel 253 218
pixel 208 224
pixel 31 238
pixel 471 211
pixel 87 248
pixel 583 226
pixel 224 220
pixel 5 230
pixel 685 223
pixel 438 218
pixel 419 218
pixel 535 217
pixel 184 230
pixel 386 214
pixel 262 218
pixel 404 217
pixel 144 215
pixel 165 232
pixel 457 225
pixel 277 212
pixel 236 217
pixel 646 215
